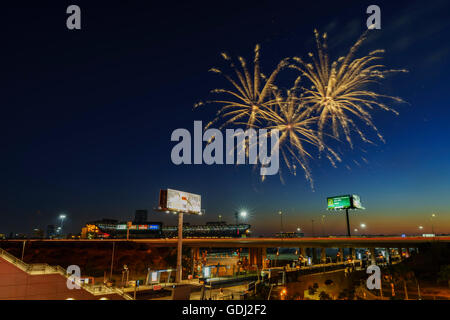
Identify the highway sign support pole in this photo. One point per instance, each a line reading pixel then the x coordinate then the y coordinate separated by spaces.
pixel 348 223
pixel 179 274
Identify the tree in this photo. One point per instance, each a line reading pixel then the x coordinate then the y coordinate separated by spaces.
pixel 444 274
pixel 403 273
pixel 311 290
pixel 324 296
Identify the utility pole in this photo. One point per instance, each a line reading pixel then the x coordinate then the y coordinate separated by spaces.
pixel 323 225
pixel 23 248
pixel 112 261
pixel 179 274
pixel 281 222
pixel 236 216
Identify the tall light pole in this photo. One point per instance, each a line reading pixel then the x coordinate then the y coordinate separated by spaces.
pixel 281 222
pixel 62 217
pixel 179 274
pixel 112 261
pixel 432 223
pixel 242 214
pixel 323 225
pixel 362 226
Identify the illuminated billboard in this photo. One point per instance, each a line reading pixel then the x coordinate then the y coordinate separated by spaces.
pixel 179 201
pixel 344 202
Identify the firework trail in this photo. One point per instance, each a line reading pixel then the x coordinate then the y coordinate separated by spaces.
pixel 249 93
pixel 339 91
pixel 292 119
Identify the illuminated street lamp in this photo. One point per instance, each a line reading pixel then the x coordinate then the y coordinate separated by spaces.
pixel 281 221
pixel 362 225
pixel 420 228
pixel 242 214
pixel 323 225
pixel 61 217
pixel 432 223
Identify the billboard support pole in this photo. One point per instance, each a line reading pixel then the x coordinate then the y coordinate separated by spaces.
pixel 179 273
pixel 348 223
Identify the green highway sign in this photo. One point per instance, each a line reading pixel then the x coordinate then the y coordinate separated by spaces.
pixel 339 202
pixel 344 202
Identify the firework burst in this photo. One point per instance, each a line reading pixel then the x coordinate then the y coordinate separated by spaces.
pixel 292 119
pixel 339 93
pixel 249 93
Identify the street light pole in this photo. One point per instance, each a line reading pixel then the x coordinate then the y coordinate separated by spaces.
pixel 432 223
pixel 179 274
pixel 281 222
pixel 23 249
pixel 112 261
pixel 323 226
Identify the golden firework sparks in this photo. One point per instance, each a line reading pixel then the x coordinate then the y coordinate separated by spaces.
pixel 293 120
pixel 339 93
pixel 249 93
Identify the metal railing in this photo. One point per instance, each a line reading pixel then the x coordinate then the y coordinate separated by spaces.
pixel 44 268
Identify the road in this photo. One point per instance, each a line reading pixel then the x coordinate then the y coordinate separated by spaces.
pixel 341 242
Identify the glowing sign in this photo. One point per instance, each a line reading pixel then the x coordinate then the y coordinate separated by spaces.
pixel 179 201
pixel 344 202
pixel 340 202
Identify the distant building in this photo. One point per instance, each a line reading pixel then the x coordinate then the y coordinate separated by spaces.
pixel 140 216
pixel 109 228
pixel 51 231
pixel 38 233
pixel 2 236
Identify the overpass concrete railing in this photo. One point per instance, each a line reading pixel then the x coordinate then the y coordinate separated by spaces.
pixel 325 242
pixel 44 268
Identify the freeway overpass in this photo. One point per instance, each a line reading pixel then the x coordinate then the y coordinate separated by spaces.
pixel 257 246
pixel 317 242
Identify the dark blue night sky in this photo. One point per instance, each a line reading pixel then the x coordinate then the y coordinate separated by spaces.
pixel 87 115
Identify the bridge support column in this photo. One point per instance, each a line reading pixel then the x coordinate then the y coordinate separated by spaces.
pixel 252 256
pixel 372 256
pixel 388 255
pixel 400 252
pixel 341 255
pixel 256 256
pixel 353 253
pixel 263 257
pixel 302 251
pixel 323 255
pixel 195 255
pixel 314 255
